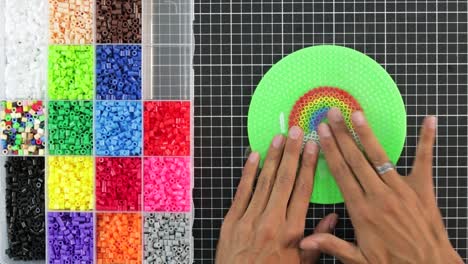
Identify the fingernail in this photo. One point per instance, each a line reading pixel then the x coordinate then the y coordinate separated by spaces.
pixel 311 147
pixel 358 118
pixel 294 132
pixel 431 122
pixel 277 141
pixel 324 130
pixel 253 157
pixel 334 114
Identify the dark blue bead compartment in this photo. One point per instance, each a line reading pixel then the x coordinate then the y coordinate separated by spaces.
pixel 118 72
pixel 118 126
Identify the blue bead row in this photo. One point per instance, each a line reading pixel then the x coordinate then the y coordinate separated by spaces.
pixel 118 128
pixel 118 71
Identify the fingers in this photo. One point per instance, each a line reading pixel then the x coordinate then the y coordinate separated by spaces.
pixel 424 154
pixel 420 178
pixel 353 156
pixel 326 225
pixel 286 175
pixel 266 178
pixel 300 197
pixel 329 244
pixel 375 153
pixel 345 179
pixel 244 189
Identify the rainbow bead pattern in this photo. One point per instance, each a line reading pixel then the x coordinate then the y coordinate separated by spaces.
pixel 312 108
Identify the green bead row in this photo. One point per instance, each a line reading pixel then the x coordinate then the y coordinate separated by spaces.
pixel 70 127
pixel 71 72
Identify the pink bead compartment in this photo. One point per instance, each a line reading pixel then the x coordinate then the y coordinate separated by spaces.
pixel 167 184
pixel 118 184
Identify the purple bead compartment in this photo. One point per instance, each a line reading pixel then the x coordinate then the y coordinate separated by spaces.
pixel 70 238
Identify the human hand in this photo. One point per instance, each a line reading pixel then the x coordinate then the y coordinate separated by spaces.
pixel 396 219
pixel 266 227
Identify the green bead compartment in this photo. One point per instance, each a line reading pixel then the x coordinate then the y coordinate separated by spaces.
pixel 327 66
pixel 70 126
pixel 71 72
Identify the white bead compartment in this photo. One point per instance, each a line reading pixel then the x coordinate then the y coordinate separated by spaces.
pixel 23 74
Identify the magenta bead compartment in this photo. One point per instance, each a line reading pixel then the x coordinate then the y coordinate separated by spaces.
pixel 167 184
pixel 96 148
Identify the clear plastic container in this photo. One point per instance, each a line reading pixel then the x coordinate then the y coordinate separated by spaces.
pixel 167 74
pixel 169 50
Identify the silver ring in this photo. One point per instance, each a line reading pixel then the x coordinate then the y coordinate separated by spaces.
pixel 384 168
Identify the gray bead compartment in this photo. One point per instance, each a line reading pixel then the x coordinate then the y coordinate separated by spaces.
pixel 167 238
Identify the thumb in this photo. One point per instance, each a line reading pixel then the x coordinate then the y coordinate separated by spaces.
pixel 326 225
pixel 329 244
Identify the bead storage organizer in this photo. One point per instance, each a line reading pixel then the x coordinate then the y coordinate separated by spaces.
pixel 96 127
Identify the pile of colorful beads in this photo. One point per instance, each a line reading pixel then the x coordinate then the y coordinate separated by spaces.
pixel 118 128
pixel 118 184
pixel 71 72
pixel 22 127
pixel 118 238
pixel 167 128
pixel 71 22
pixel 24 193
pixel 70 183
pixel 167 238
pixel 70 127
pixel 118 71
pixel 70 237
pixel 167 184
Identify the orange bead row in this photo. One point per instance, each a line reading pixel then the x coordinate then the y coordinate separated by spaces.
pixel 119 238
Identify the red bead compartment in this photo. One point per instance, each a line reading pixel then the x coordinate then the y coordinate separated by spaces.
pixel 167 128
pixel 118 184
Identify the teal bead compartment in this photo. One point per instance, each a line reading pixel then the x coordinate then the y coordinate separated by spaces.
pixel 70 125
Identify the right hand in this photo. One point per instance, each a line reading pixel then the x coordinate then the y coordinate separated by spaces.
pixel 396 219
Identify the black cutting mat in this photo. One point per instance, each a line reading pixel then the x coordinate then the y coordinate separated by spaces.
pixel 422 44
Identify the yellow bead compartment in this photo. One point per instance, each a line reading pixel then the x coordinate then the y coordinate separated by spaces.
pixel 70 183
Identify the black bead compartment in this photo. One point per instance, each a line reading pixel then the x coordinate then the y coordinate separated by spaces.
pixel 25 210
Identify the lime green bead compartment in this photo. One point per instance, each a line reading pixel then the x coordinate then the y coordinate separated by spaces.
pixel 71 72
pixel 70 127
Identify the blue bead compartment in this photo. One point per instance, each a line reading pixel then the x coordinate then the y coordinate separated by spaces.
pixel 118 126
pixel 118 72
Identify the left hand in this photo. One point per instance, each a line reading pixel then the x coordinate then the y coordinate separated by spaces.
pixel 267 227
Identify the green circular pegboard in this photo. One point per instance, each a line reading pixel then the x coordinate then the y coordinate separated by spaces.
pixel 306 83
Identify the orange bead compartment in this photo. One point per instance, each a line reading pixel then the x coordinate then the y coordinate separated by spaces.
pixel 119 238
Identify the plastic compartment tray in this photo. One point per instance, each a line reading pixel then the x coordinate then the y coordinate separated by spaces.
pixel 167 74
